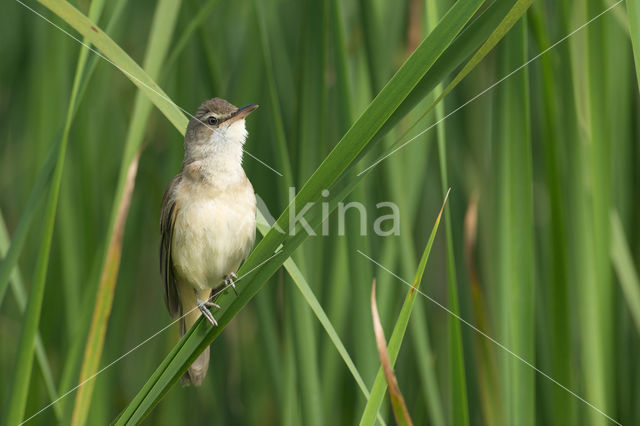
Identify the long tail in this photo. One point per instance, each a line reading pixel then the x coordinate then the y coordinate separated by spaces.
pixel 198 370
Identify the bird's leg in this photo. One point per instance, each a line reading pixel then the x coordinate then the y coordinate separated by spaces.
pixel 204 308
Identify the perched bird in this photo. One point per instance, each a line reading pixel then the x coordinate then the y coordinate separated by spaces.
pixel 208 218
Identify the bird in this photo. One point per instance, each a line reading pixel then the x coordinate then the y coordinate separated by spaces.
pixel 207 220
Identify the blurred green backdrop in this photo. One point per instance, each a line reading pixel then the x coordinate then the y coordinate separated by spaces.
pixel 539 247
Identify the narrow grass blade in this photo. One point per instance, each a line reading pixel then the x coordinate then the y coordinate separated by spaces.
pixel 379 386
pixel 162 29
pixel 400 410
pixel 20 294
pixel 626 271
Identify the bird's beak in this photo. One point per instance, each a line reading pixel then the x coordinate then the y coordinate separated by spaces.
pixel 241 113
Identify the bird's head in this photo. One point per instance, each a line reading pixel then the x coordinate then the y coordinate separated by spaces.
pixel 217 128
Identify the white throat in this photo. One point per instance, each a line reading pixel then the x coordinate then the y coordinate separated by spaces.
pixel 219 160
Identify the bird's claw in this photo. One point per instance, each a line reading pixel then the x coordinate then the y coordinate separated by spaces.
pixel 228 281
pixel 203 306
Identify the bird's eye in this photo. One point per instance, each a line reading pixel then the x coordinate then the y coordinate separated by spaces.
pixel 212 120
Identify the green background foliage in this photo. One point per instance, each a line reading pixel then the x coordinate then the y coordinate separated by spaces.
pixel 540 239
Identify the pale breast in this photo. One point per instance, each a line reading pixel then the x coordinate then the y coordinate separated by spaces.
pixel 213 232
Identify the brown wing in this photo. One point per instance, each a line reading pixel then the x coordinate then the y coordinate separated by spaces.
pixel 167 221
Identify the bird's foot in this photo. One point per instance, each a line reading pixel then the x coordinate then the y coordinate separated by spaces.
pixel 228 281
pixel 204 305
